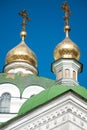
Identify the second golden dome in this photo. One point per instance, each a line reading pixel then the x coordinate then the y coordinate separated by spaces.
pixel 67 49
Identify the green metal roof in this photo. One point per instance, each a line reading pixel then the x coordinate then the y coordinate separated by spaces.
pixel 48 95
pixel 23 81
pixel 52 89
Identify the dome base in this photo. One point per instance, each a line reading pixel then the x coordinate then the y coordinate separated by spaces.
pixel 20 67
pixel 67 81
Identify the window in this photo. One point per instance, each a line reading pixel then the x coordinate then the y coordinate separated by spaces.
pixel 67 73
pixel 60 74
pixel 74 75
pixel 5 103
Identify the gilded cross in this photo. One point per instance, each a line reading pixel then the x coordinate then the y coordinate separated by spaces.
pixel 24 15
pixel 67 11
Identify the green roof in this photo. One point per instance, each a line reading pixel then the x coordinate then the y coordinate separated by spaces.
pixel 51 91
pixel 23 81
pixel 50 94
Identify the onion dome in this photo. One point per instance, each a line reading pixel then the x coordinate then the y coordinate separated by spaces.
pixel 21 58
pixel 21 53
pixel 67 48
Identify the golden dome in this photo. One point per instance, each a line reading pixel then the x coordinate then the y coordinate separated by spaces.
pixel 21 59
pixel 21 53
pixel 67 49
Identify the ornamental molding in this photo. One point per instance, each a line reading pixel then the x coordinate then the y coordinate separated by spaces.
pixel 52 119
pixel 64 109
pixel 59 117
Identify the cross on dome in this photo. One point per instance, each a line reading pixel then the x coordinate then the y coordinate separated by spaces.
pixel 67 11
pixel 24 15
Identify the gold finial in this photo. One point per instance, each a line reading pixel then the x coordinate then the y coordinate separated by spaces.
pixel 24 15
pixel 67 11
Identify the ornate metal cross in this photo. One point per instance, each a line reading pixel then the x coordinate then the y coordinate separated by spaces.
pixel 67 11
pixel 25 17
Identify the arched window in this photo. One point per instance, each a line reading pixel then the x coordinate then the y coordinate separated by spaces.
pixel 74 75
pixel 59 74
pixel 67 73
pixel 5 103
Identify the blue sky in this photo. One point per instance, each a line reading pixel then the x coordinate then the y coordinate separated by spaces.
pixel 45 30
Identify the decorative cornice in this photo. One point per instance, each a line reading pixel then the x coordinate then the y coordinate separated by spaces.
pixel 68 113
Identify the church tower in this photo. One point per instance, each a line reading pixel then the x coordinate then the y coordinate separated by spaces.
pixel 66 54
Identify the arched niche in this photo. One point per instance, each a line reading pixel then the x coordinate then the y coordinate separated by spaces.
pixel 67 73
pixel 9 88
pixel 32 90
